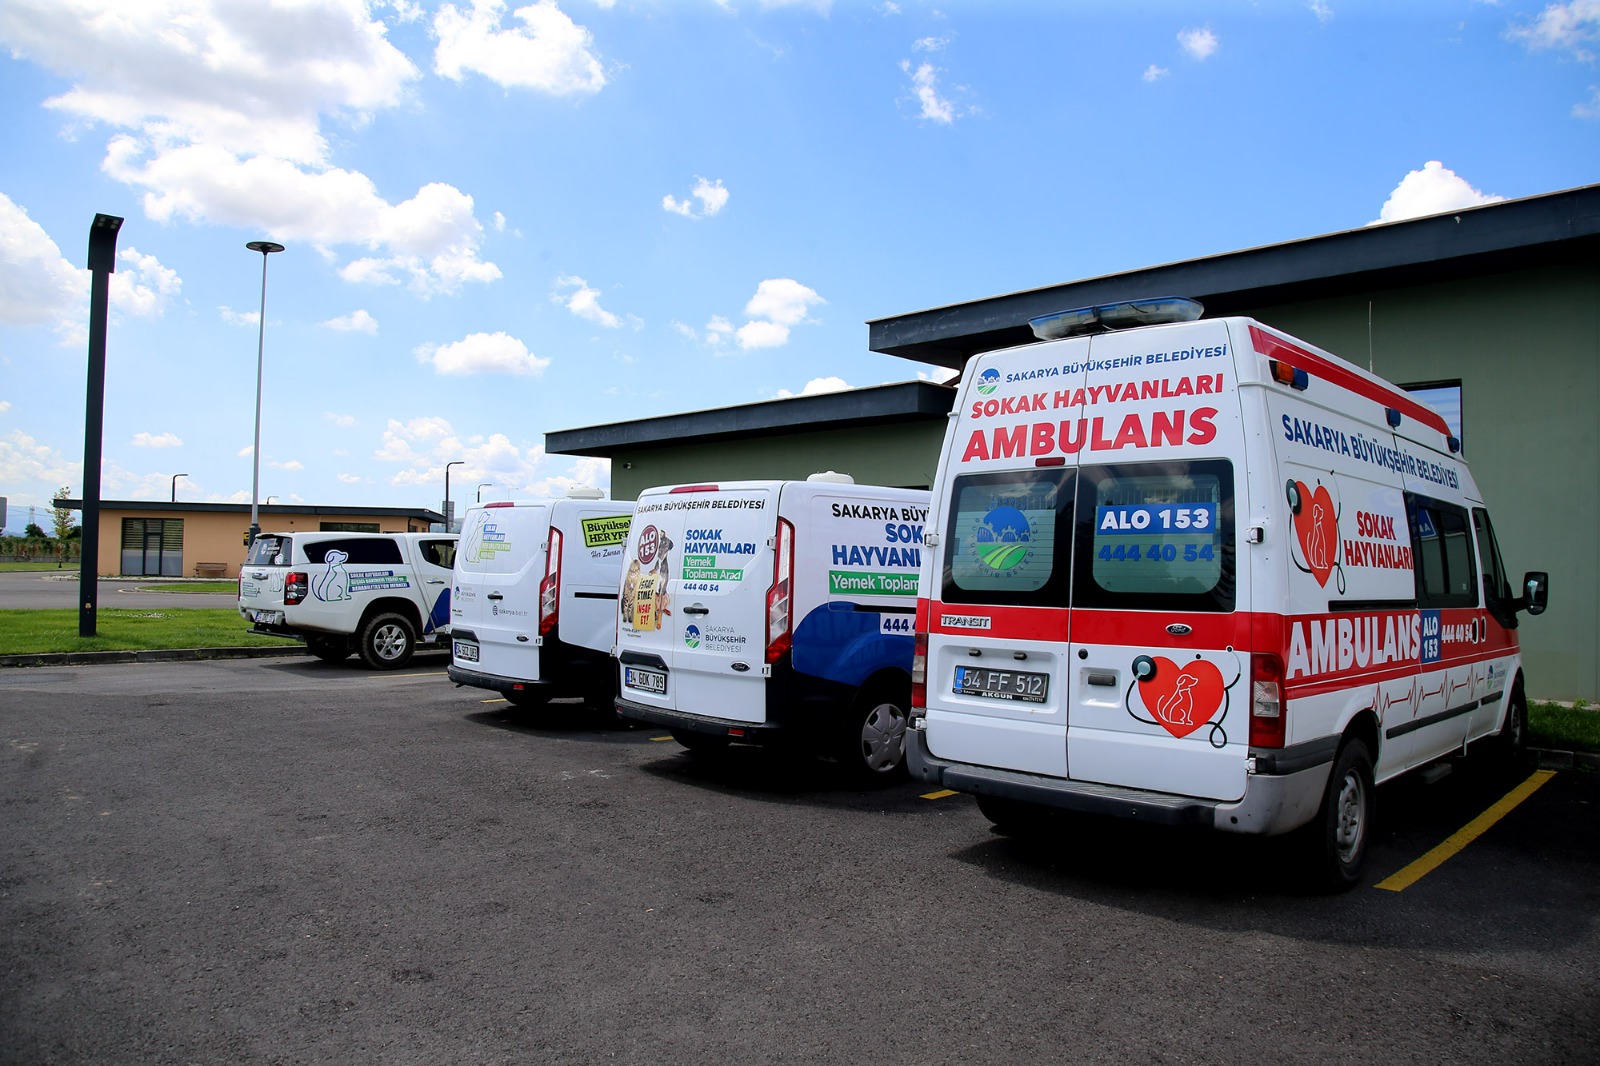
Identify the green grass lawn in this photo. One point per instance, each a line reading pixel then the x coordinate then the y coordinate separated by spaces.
pixel 40 632
pixel 1565 728
pixel 37 564
pixel 229 587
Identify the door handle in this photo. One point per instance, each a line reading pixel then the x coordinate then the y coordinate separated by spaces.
pixel 435 581
pixel 695 608
pixel 494 596
pixel 1105 678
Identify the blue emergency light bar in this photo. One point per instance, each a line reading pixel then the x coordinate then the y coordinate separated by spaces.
pixel 1125 315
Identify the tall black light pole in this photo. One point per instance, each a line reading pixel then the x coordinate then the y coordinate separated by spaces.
pixel 102 264
pixel 175 478
pixel 266 248
pixel 447 466
pixel 485 485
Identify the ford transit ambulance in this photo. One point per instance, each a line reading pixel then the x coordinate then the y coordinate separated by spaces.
pixel 1197 572
pixel 774 611
pixel 534 611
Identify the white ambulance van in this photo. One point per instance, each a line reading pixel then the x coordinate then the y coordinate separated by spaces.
pixel 1196 572
pixel 774 611
pixel 533 615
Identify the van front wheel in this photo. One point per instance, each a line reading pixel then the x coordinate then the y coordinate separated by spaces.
pixel 1339 836
pixel 387 641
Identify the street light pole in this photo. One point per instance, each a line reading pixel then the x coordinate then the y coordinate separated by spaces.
pixel 266 248
pixel 175 478
pixel 485 485
pixel 102 263
pixel 447 466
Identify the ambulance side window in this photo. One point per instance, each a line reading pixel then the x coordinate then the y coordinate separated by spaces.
pixel 1496 585
pixel 1009 537
pixel 1155 536
pixel 1442 550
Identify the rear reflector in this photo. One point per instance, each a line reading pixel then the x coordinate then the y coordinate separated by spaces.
pixel 693 488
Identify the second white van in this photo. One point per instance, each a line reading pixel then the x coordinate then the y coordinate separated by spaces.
pixel 533 615
pixel 774 611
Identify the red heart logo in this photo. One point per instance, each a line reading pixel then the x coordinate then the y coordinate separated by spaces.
pixel 1317 525
pixel 1182 701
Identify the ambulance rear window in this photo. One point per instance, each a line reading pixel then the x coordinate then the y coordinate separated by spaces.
pixel 1002 537
pixel 1156 536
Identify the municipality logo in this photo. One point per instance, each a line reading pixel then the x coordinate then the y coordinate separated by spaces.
pixel 691 636
pixel 988 381
pixel 1003 538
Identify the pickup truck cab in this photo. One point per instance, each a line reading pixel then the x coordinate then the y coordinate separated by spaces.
pixel 376 594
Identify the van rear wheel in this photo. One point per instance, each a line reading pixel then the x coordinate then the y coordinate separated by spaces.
pixel 1337 839
pixel 387 641
pixel 874 741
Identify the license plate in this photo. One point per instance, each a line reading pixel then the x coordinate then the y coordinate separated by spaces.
pixel 1001 684
pixel 643 680
pixel 467 653
pixel 268 618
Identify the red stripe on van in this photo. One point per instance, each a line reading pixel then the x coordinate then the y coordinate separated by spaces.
pixel 1274 347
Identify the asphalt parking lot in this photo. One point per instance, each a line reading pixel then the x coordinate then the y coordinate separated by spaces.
pixel 283 860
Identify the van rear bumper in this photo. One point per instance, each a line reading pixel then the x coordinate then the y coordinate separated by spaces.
pixel 1273 803
pixel 745 732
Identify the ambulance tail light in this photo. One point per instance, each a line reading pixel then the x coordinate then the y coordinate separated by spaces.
pixel 1268 717
pixel 692 488
pixel 1126 315
pixel 550 587
pixel 919 674
pixel 1284 374
pixel 780 605
pixel 296 584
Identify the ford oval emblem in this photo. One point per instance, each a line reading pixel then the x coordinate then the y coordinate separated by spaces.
pixel 1178 629
pixel 741 667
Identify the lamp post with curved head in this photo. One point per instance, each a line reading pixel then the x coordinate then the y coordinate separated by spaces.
pixel 485 485
pixel 266 248
pixel 447 466
pixel 175 478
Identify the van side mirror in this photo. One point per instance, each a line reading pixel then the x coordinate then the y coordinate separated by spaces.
pixel 1535 591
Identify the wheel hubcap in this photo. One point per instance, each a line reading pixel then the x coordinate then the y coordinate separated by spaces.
pixel 1351 815
pixel 389 642
pixel 883 738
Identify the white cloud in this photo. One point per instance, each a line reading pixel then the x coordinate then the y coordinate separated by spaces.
pixel 1569 27
pixel 221 106
pixel 930 44
pixel 1320 9
pixel 423 446
pixel 1155 73
pixel 925 86
pixel 783 300
pixel 817 386
pixel 357 321
pixel 38 286
pixel 239 318
pixel 292 464
pixel 549 52
pixel 353 479
pixel 343 421
pixel 483 353
pixel 156 440
pixel 1430 191
pixel 1591 109
pixel 713 197
pixel 583 301
pixel 1200 43
pixel 758 334
pixel 23 459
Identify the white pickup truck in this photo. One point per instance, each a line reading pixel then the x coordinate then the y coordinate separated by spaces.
pixel 377 594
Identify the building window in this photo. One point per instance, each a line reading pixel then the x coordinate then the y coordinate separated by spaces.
pixel 1444 397
pixel 348 527
pixel 152 547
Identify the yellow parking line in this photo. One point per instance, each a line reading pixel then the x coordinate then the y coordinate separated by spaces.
pixel 668 737
pixel 939 795
pixel 497 699
pixel 1404 879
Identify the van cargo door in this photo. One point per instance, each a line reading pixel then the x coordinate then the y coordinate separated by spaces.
pixel 499 563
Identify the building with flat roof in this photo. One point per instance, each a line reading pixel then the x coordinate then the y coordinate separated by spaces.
pixel 142 538
pixel 1491 314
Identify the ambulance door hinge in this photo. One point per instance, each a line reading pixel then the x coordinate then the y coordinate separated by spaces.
pixel 1255 534
pixel 766 669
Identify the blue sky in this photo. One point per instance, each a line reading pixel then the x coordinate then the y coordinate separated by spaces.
pixel 502 220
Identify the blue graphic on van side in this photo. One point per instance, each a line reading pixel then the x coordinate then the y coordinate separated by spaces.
pixel 839 643
pixel 440 616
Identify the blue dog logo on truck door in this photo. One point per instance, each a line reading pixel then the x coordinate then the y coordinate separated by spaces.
pixel 333 584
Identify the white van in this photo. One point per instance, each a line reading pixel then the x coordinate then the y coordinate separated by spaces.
pixel 1198 572
pixel 534 611
pixel 757 611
